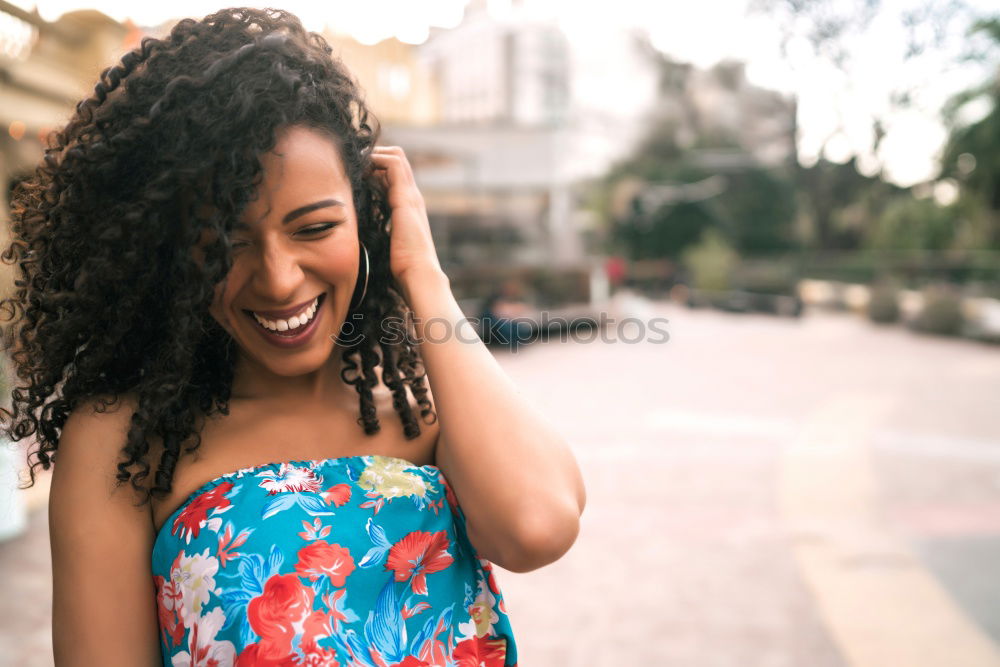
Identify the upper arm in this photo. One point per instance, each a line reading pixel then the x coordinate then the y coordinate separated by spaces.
pixel 103 597
pixel 537 543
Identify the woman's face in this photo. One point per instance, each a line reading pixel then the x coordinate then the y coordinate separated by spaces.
pixel 295 258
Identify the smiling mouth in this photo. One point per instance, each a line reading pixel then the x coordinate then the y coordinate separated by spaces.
pixel 291 326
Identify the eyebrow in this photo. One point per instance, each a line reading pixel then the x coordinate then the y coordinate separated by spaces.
pixel 308 208
pixel 299 212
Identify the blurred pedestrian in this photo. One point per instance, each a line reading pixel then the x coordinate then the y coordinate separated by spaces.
pixel 614 268
pixel 505 317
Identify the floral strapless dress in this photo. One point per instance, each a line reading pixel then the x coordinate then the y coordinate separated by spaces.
pixel 354 561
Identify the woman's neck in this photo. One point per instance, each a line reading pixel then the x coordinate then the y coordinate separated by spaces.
pixel 253 381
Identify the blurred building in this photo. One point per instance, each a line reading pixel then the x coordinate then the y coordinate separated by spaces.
pixel 508 118
pixel 526 113
pixel 398 87
pixel 726 121
pixel 45 69
pixel 505 117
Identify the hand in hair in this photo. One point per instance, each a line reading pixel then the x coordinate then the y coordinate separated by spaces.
pixel 411 247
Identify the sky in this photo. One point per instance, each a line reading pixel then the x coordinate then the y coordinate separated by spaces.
pixel 836 107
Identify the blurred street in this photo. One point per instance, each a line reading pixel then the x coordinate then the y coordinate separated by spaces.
pixel 761 491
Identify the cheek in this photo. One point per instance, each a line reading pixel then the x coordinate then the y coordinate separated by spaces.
pixel 339 262
pixel 340 272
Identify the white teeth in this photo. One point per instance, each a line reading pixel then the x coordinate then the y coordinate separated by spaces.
pixel 293 322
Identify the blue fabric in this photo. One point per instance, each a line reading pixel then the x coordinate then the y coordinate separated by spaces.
pixel 360 560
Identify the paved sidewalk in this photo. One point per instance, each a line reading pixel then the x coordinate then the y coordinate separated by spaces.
pixel 25 606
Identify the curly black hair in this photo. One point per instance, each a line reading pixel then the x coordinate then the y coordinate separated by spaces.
pixel 110 298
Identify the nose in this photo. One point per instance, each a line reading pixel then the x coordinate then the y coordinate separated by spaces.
pixel 277 275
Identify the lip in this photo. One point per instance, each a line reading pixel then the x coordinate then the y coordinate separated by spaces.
pixel 281 314
pixel 290 341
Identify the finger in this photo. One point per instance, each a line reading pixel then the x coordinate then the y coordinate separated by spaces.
pixel 388 149
pixel 398 171
pixel 399 181
pixel 393 150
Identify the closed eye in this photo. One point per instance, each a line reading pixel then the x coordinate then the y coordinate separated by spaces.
pixel 309 231
pixel 318 228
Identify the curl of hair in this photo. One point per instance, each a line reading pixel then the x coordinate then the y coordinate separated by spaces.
pixel 110 298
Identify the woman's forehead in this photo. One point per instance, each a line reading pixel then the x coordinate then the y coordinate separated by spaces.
pixel 304 168
pixel 300 152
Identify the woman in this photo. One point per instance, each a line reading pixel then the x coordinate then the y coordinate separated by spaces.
pixel 210 294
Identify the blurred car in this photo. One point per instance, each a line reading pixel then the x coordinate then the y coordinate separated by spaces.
pixel 742 301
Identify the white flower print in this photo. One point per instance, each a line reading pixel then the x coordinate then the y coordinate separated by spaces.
pixel 203 650
pixel 483 614
pixel 195 575
pixel 289 478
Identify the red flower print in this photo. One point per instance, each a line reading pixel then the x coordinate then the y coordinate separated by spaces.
pixel 377 503
pixel 203 649
pixel 314 530
pixel 491 577
pixel 277 612
pixel 316 656
pixel 417 555
pixel 168 600
pixel 410 612
pixel 335 602
pixel 436 505
pixel 448 493
pixel 491 581
pixel 194 517
pixel 316 627
pixel 227 543
pixel 337 495
pixel 481 652
pixel 410 661
pixel 265 654
pixel 318 559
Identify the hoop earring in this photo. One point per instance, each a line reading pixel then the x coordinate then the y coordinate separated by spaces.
pixel 364 285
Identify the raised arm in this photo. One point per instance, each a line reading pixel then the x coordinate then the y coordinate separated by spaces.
pixel 103 597
pixel 515 476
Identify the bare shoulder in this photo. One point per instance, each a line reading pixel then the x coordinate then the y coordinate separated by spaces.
pixel 92 443
pixel 92 440
pixel 101 540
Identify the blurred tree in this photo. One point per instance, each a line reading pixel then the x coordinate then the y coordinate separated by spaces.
pixel 753 207
pixel 972 152
pixel 840 202
pixel 762 202
pixel 911 225
pixel 835 32
pixel 666 231
pixel 673 191
pixel 836 198
pixel 711 262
